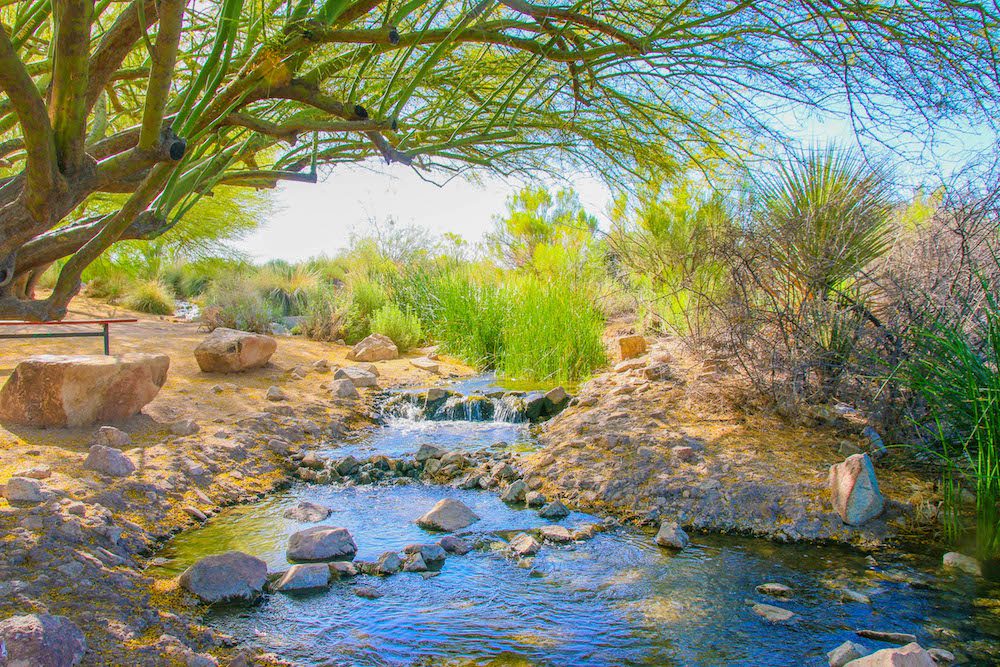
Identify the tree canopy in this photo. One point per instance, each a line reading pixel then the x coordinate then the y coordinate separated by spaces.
pixel 164 100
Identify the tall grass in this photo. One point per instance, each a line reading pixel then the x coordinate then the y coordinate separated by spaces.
pixel 150 296
pixel 402 327
pixel 957 372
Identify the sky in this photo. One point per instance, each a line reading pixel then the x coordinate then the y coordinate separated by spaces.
pixel 313 219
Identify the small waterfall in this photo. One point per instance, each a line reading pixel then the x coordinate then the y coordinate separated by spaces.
pixel 513 407
pixel 509 408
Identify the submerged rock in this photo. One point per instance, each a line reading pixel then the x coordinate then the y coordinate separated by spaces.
pixel 40 640
pixel 775 590
pixel 887 636
pixel 227 577
pixel 305 577
pixel 844 653
pixel 321 543
pixel 773 614
pixel 911 655
pixel 307 512
pixel 854 490
pixel 454 545
pixel 231 351
pixel 671 536
pixel 448 515
pixel 375 347
pixel 108 461
pixel 967 564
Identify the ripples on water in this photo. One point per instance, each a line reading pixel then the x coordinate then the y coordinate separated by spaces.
pixel 616 599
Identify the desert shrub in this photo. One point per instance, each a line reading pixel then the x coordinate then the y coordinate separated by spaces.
pixel 402 327
pixel 190 279
pixel 235 304
pixel 150 296
pixel 285 286
pixel 107 287
pixel 365 298
pixel 324 317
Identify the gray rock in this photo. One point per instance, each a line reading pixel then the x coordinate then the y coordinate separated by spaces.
pixel 967 564
pixel 846 652
pixel 307 512
pixel 228 577
pixel 276 394
pixel 343 568
pixel 554 510
pixel 523 544
pixel 415 563
pixel 184 427
pixel 344 389
pixel 427 452
pixel 558 534
pixel 448 515
pixel 348 465
pixel 534 499
pixel 305 577
pixel 23 490
pixel 108 461
pixel 375 347
pixel 454 545
pixel 773 614
pixel 40 640
pixel 671 536
pixel 888 636
pixel 911 655
pixel 38 472
pixel 109 436
pixel 357 376
pixel 321 543
pixel 433 554
pixel 941 656
pixel 388 563
pixel 854 490
pixel 367 592
pixel 775 590
pixel 515 492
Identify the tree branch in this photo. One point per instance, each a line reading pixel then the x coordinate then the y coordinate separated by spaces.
pixel 164 57
pixel 67 104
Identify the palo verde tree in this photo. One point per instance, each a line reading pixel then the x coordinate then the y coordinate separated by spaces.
pixel 161 101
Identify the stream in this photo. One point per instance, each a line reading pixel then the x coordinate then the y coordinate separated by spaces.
pixel 615 599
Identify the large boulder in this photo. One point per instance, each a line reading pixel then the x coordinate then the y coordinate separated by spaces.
pixel 375 347
pixel 911 655
pixel 109 461
pixel 75 390
pixel 448 515
pixel 228 577
pixel 321 543
pixel 231 351
pixel 40 640
pixel 854 490
pixel 306 577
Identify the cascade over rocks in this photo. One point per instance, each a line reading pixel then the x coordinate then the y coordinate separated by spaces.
pixel 40 640
pixel 231 351
pixel 227 577
pixel 375 347
pixel 52 390
pixel 854 490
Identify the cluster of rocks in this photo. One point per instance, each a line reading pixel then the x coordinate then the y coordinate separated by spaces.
pixel 512 406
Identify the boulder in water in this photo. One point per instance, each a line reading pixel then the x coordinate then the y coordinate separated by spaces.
pixel 375 347
pixel 555 400
pixel 448 515
pixel 558 534
pixel 671 536
pixel 51 390
pixel 304 577
pixel 773 614
pixel 523 544
pixel 911 655
pixel 775 590
pixel 388 563
pixel 428 452
pixel 454 545
pixel 554 510
pixel 515 492
pixel 534 499
pixel 41 640
pixel 967 564
pixel 414 563
pixel 227 577
pixel 854 490
pixel 321 543
pixel 844 653
pixel 231 351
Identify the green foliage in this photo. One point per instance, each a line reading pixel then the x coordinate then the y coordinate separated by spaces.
pixel 286 287
pixel 323 316
pixel 235 304
pixel 150 296
pixel 366 298
pixel 957 372
pixel 402 327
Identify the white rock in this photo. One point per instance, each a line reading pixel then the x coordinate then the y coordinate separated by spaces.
pixel 344 389
pixel 846 652
pixel 773 614
pixel 967 564
pixel 911 655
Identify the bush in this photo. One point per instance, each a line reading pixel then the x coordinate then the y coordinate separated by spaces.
pixel 366 298
pixel 286 287
pixel 403 328
pixel 110 288
pixel 234 304
pixel 323 317
pixel 150 296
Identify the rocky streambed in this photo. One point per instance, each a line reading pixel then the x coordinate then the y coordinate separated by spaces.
pixel 530 582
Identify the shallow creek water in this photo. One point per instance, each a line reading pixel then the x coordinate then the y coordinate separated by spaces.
pixel 616 599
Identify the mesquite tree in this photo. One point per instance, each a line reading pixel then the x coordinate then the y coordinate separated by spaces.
pixel 163 100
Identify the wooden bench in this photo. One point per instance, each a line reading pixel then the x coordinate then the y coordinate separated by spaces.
pixel 103 333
